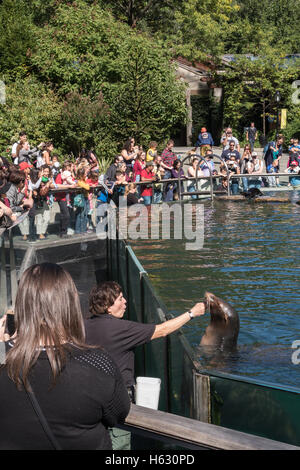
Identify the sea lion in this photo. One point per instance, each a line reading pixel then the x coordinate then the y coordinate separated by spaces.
pixel 223 330
pixel 252 193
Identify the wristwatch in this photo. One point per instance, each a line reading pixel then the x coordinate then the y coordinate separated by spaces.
pixel 191 314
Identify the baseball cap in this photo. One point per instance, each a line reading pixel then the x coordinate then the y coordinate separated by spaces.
pixel 294 163
pixel 254 154
pixel 203 129
pixel 24 165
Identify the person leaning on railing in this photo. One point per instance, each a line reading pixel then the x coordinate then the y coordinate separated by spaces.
pixel 255 168
pixel 119 337
pixel 294 171
pixel 148 176
pixel 20 198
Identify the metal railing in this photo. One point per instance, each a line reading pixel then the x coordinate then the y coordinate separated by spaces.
pixel 211 192
pixel 8 272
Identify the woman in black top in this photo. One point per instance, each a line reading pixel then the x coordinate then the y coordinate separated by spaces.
pixel 78 387
pixel 120 337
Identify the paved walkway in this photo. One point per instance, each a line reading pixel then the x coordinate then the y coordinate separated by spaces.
pixel 259 150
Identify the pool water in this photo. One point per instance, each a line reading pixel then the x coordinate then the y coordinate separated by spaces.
pixel 251 259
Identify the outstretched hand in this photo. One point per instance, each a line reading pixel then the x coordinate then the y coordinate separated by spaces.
pixel 198 309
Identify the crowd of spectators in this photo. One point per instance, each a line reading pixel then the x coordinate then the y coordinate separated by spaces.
pixel 33 178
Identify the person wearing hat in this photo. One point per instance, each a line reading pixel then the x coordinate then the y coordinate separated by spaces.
pixel 148 175
pixel 204 141
pixel 294 170
pixel 25 166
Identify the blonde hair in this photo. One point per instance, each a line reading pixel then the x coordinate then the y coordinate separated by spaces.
pixel 129 187
pixel 83 164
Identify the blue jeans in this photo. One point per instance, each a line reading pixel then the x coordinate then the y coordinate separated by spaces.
pixel 81 217
pixel 294 180
pixel 157 197
pixel 234 187
pixel 147 200
pixel 271 179
pixel 191 189
pixel 245 184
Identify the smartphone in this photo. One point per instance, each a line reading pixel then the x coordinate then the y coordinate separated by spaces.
pixel 10 324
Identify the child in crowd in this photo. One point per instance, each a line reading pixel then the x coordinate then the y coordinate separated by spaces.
pixel 67 178
pixel 152 151
pixel 119 187
pixel 92 180
pixel 131 194
pixel 55 166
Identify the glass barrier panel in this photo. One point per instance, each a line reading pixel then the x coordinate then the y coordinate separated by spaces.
pixel 256 409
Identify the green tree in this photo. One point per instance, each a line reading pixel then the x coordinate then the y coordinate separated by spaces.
pixel 203 27
pixel 250 86
pixel 16 37
pixel 83 123
pixel 84 49
pixel 276 20
pixel 149 15
pixel 29 106
pixel 148 101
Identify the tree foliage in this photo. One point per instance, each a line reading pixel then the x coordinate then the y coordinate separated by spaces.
pixel 250 86
pixel 15 36
pixel 82 123
pixel 86 50
pixel 29 106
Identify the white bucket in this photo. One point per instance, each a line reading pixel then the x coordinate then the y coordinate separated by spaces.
pixel 147 392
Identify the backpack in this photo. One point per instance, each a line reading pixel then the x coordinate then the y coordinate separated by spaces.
pixel 79 200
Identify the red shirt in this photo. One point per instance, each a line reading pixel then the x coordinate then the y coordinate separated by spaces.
pixel 59 196
pixel 138 168
pixel 148 175
pixel 91 182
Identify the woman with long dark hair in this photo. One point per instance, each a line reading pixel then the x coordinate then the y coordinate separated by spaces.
pixel 78 387
pixel 129 151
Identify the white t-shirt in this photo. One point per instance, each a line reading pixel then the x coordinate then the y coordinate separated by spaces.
pixel 14 147
pixel 236 142
pixel 14 151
